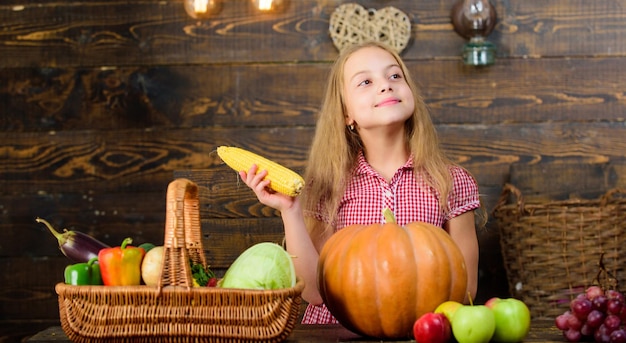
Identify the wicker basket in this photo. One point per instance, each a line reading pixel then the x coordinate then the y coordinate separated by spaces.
pixel 174 310
pixel 552 250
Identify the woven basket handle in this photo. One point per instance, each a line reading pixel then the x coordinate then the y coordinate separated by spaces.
pixel 504 196
pixel 182 241
pixel 608 196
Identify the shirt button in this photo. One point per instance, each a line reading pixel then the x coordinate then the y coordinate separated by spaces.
pixel 388 194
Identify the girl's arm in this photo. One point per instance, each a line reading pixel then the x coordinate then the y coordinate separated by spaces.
pixel 299 243
pixel 305 255
pixel 462 229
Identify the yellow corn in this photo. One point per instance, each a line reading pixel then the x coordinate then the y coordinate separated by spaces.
pixel 282 179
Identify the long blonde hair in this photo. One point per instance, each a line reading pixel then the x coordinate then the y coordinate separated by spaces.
pixel 335 149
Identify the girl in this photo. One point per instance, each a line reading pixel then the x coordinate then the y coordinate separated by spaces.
pixel 375 146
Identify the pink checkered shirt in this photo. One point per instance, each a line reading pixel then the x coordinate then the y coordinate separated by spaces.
pixel 369 193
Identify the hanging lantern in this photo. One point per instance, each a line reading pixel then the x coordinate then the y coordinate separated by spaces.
pixel 474 20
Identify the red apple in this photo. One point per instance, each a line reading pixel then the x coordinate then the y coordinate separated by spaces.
pixel 489 303
pixel 432 328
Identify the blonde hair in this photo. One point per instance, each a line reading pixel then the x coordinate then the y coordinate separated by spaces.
pixel 335 149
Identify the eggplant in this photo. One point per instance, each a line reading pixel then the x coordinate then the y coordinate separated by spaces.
pixel 77 246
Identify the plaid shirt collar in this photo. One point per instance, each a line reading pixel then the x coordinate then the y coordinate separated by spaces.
pixel 364 168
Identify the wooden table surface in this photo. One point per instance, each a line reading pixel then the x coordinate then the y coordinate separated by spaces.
pixel 541 331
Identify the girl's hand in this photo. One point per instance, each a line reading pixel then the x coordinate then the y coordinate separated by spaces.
pixel 254 179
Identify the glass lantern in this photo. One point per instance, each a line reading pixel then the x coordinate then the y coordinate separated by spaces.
pixel 474 20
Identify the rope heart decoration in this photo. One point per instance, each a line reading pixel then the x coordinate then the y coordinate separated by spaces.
pixel 353 24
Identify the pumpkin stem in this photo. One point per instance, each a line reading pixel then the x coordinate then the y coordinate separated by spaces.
pixel 389 216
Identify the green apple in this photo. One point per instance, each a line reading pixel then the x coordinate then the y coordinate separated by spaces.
pixel 473 324
pixel 512 319
pixel 448 308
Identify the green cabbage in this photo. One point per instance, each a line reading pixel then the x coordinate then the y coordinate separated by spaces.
pixel 262 266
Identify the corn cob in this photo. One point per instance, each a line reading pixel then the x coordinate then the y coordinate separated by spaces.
pixel 282 179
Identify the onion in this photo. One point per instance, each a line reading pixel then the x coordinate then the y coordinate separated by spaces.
pixel 152 265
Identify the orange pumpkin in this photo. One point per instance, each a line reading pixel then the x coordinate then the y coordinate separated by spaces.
pixel 378 279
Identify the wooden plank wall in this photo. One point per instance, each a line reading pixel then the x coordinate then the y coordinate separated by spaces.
pixel 102 102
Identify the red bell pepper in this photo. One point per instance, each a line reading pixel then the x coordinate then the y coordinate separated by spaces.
pixel 121 266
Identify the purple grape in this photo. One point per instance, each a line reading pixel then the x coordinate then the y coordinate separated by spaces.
pixel 562 321
pixel 574 322
pixel 581 307
pixel 614 294
pixel 618 336
pixel 599 303
pixel 594 291
pixel 614 306
pixel 622 314
pixel 572 335
pixel 595 319
pixel 612 322
pixel 586 330
pixel 602 335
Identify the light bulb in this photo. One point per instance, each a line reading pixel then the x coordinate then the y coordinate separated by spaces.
pixel 270 5
pixel 477 17
pixel 473 18
pixel 201 9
